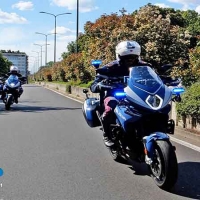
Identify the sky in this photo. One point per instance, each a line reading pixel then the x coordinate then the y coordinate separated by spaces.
pixel 20 20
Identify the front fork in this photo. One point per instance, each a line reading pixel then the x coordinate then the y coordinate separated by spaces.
pixel 149 144
pixel 8 96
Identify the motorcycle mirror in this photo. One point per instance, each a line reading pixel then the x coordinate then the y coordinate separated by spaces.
pixel 164 68
pixel 85 91
pixel 96 63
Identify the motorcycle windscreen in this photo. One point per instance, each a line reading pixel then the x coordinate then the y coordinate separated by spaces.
pixel 13 79
pixel 146 89
pixel 145 78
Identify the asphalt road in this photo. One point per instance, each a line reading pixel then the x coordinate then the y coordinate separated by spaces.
pixel 48 152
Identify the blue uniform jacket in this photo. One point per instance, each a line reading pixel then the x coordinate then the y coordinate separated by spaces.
pixel 112 69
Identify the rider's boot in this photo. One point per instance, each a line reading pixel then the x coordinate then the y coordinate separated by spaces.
pixel 106 134
pixel 16 99
pixel 107 141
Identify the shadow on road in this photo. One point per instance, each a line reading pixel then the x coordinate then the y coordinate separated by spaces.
pixel 188 183
pixel 24 108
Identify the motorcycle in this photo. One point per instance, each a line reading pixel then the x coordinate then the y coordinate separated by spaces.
pixel 141 124
pixel 12 89
pixel 1 85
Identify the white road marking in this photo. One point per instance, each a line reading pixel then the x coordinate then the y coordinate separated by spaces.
pixel 191 146
pixel 64 95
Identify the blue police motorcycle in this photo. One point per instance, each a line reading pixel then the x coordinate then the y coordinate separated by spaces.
pixel 141 123
pixel 1 85
pixel 12 89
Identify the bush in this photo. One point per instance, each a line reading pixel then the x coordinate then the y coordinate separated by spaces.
pixel 68 88
pixel 86 85
pixel 190 104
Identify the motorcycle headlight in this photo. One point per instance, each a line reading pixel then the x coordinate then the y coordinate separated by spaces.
pixel 154 101
pixel 12 85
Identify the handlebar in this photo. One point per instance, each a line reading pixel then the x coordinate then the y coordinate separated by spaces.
pixel 103 86
pixel 109 84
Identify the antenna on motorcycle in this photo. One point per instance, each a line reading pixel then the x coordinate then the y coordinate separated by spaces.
pixel 96 63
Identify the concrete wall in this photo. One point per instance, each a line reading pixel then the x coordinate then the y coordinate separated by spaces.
pixel 75 91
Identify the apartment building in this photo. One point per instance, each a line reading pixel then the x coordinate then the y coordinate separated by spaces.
pixel 18 59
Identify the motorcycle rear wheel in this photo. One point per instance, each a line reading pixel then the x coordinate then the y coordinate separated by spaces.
pixel 164 169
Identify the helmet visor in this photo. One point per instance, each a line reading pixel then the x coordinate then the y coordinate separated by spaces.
pixel 130 59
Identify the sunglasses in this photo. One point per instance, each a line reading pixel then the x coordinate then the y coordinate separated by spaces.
pixel 130 57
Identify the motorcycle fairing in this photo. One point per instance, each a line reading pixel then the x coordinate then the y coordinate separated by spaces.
pixel 89 111
pixel 146 89
pixel 149 141
pixel 124 117
pixel 12 81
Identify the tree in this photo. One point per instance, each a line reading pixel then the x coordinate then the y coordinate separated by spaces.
pixel 5 64
pixel 50 64
pixel 71 48
pixel 159 38
pixel 190 104
pixel 192 21
pixel 160 31
pixel 189 72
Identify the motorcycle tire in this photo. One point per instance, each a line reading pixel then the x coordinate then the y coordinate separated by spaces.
pixel 164 169
pixel 8 103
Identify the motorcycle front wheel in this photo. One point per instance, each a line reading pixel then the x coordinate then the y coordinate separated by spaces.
pixel 8 102
pixel 164 169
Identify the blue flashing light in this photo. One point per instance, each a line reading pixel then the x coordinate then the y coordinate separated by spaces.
pixel 1 172
pixel 96 63
pixel 120 94
pixel 178 90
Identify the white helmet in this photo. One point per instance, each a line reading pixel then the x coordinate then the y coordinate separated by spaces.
pixel 14 69
pixel 127 48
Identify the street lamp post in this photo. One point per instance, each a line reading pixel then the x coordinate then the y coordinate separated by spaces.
pixel 41 51
pixel 34 69
pixel 46 44
pixel 38 57
pixel 34 65
pixel 77 25
pixel 40 54
pixel 55 16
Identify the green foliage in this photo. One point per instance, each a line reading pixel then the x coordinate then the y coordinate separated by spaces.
pixel 192 21
pixel 71 48
pixel 189 72
pixel 75 69
pixel 163 33
pixel 50 64
pixel 190 104
pixel 68 88
pixel 4 65
pixel 158 36
pixel 86 85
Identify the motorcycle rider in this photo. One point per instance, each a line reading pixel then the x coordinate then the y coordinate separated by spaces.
pixel 13 71
pixel 127 55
